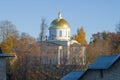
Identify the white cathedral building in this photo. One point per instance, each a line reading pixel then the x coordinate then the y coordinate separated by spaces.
pixel 59 48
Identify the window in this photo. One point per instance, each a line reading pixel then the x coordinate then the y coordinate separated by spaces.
pixel 66 33
pixel 60 33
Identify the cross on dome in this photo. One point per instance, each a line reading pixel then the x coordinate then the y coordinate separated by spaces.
pixel 59 15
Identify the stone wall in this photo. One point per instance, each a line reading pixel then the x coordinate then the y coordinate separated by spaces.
pixel 113 73
pixel 2 69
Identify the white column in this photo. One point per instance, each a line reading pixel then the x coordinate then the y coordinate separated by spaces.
pixel 58 55
pixel 83 55
pixel 68 54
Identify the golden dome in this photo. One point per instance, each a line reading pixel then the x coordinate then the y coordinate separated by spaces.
pixel 59 23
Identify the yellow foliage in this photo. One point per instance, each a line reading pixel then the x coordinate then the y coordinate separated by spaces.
pixel 7 45
pixel 81 37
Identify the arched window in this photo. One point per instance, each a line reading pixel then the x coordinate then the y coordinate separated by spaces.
pixel 60 33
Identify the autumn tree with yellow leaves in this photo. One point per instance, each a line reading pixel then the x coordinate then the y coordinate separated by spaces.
pixel 81 36
pixel 7 45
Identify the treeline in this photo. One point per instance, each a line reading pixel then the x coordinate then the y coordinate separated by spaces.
pixel 106 44
pixel 101 43
pixel 27 63
pixel 25 49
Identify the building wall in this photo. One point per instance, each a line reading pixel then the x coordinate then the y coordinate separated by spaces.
pixel 91 75
pixel 77 55
pixel 113 73
pixel 2 69
pixel 70 55
pixel 50 55
pixel 59 34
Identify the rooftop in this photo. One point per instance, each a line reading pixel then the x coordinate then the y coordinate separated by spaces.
pixel 5 55
pixel 73 75
pixel 104 62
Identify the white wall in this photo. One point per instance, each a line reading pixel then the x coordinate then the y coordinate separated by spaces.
pixel 54 34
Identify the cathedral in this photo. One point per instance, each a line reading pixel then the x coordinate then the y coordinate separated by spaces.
pixel 59 48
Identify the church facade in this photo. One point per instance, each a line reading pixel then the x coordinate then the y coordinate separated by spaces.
pixel 59 48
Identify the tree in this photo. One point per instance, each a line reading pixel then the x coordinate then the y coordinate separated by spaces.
pixel 104 35
pixel 7 29
pixel 7 45
pixel 81 37
pixel 26 50
pixel 8 32
pixel 116 39
pixel 118 28
pixel 43 27
pixel 104 44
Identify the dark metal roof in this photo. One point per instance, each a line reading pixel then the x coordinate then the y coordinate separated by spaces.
pixel 5 55
pixel 104 62
pixel 73 75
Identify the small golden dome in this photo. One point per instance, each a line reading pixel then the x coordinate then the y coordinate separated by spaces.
pixel 59 23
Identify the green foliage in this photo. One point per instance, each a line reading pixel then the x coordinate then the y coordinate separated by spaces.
pixel 109 44
pixel 104 35
pixel 94 40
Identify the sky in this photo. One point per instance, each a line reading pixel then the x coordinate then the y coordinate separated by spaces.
pixel 94 15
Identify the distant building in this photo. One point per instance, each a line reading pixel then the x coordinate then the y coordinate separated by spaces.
pixel 59 48
pixel 3 65
pixel 104 68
